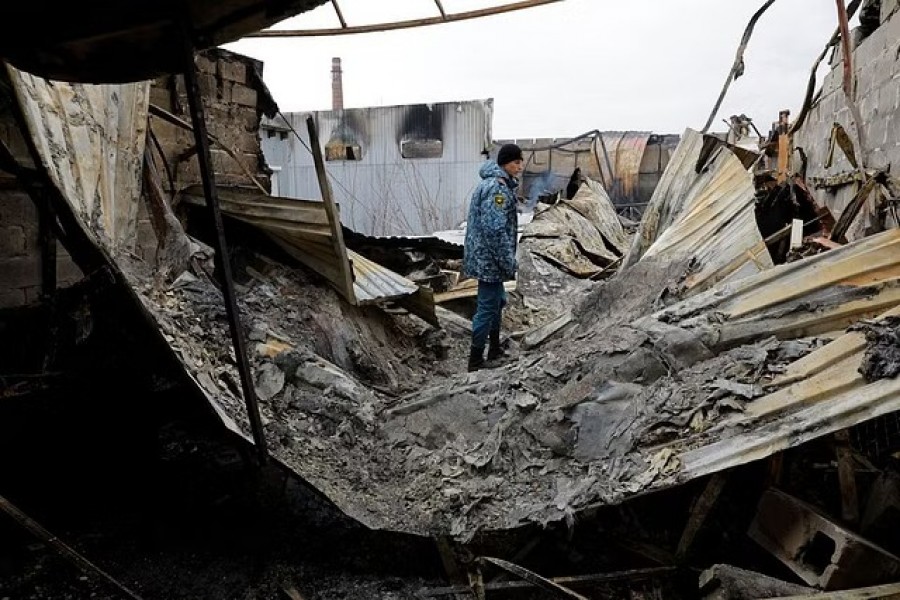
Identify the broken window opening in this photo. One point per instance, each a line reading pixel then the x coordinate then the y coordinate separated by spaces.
pixel 422 148
pixel 340 151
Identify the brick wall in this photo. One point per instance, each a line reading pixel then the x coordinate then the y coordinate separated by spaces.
pixel 20 256
pixel 877 69
pixel 233 94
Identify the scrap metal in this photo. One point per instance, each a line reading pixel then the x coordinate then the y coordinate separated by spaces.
pixel 445 17
pixel 699 201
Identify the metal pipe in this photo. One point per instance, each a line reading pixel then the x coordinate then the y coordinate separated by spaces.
pixel 340 15
pixel 449 18
pixel 201 136
pixel 441 8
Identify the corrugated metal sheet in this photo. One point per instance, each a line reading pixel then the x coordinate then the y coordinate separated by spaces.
pixel 691 213
pixel 383 193
pixel 374 283
pixel 91 140
pixel 820 394
pixel 548 170
pixel 843 285
pixel 626 151
pixel 301 228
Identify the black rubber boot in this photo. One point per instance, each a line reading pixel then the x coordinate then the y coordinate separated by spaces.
pixel 476 358
pixel 495 348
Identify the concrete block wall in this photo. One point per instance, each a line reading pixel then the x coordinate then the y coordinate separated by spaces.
pixel 20 255
pixel 877 73
pixel 231 93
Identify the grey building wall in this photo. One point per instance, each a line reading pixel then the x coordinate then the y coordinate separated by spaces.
pixel 381 191
pixel 877 70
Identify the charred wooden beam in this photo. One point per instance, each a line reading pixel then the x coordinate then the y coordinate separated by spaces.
pixel 62 548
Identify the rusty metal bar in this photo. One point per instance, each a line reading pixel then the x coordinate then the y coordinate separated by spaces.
pixel 61 547
pixel 449 18
pixel 340 15
pixel 844 26
pixel 198 118
pixel 737 69
pixel 847 55
pixel 441 8
pixel 811 84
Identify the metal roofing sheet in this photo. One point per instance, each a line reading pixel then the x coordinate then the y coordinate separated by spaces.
pixel 301 228
pixel 700 200
pixel 91 140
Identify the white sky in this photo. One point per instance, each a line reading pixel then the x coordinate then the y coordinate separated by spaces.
pixel 562 69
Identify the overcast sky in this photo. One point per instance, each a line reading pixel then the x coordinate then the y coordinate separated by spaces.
pixel 562 69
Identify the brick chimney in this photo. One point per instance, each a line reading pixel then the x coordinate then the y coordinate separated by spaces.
pixel 337 85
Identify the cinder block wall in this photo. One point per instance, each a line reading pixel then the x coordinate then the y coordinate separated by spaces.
pixel 877 68
pixel 20 255
pixel 232 91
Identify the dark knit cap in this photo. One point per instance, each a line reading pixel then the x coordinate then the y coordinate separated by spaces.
pixel 508 153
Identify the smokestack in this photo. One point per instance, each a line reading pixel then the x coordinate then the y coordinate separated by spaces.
pixel 337 85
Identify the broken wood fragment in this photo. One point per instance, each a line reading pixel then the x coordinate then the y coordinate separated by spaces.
pixel 537 336
pixel 725 582
pixel 702 507
pixel 847 477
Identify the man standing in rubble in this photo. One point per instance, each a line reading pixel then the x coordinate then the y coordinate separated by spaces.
pixel 490 252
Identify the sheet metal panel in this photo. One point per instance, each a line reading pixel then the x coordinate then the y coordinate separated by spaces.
pixel 548 171
pixel 91 140
pixel 383 193
pixel 691 213
pixel 301 228
pixel 820 394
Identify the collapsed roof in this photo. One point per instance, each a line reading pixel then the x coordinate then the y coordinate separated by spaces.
pixel 697 357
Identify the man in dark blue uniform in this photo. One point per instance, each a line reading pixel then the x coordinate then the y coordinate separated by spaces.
pixel 490 252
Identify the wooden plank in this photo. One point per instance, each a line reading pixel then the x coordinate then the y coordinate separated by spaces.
pixel 467 289
pixel 784 157
pixel 62 548
pixel 702 507
pixel 248 195
pixel 421 304
pixel 539 335
pixel 846 477
pixel 287 227
pixel 334 219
